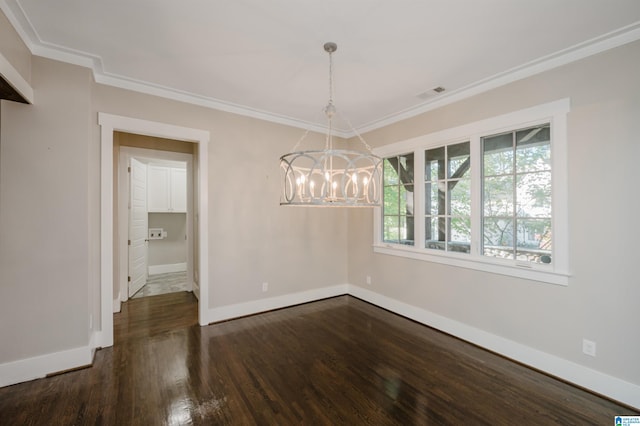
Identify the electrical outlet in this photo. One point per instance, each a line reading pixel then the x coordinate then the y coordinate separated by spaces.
pixel 265 286
pixel 368 280
pixel 588 347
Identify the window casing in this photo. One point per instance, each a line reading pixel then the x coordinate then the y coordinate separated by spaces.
pixel 501 177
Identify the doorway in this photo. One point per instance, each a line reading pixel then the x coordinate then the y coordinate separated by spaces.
pixel 155 218
pixel 108 276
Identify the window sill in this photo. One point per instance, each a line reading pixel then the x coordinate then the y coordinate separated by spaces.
pixel 509 268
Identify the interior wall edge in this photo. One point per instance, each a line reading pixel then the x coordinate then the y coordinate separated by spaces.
pixel 228 312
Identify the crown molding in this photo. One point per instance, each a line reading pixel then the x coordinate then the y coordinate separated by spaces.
pixel 582 50
pixel 27 32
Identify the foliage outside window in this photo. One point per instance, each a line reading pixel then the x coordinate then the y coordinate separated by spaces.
pixel 448 198
pixel 398 212
pixel 517 195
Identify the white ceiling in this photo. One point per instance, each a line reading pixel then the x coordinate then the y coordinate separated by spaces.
pixel 265 58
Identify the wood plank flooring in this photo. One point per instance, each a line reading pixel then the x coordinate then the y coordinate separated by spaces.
pixel 338 361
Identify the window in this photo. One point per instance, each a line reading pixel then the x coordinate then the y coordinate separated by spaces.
pixel 448 198
pixel 516 222
pixel 398 222
pixel 490 195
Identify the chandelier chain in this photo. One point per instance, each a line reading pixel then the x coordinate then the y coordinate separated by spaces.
pixel 330 78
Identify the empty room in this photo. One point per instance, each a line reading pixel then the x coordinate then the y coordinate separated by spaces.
pixel 356 212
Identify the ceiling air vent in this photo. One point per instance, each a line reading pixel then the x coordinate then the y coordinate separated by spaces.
pixel 430 93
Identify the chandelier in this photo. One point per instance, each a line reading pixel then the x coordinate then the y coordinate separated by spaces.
pixel 331 177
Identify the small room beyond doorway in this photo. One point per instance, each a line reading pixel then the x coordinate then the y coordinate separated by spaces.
pixel 155 216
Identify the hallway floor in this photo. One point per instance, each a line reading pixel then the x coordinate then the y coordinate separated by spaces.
pixel 171 282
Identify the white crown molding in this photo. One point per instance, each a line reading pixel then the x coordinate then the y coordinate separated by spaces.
pixel 27 32
pixel 13 77
pixel 25 29
pixel 582 50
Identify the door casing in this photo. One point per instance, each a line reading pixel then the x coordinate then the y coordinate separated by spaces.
pixel 108 124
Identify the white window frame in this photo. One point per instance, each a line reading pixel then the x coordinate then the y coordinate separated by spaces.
pixel 557 272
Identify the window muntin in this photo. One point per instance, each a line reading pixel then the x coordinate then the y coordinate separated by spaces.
pixel 516 196
pixel 448 198
pixel 398 200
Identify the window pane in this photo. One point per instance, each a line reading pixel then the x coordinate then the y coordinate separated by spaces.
pixel 406 230
pixel 533 193
pixel 389 171
pixel 406 197
pixel 460 197
pixel 498 196
pixel 498 154
pixel 459 161
pixel 406 168
pixel 435 233
pixel 391 228
pixel 460 230
pixel 498 237
pixel 398 199
pixel 533 149
pixel 391 200
pixel 435 198
pixel 534 240
pixel 434 164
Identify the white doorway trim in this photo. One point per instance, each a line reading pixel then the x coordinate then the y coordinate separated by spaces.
pixel 150 156
pixel 108 124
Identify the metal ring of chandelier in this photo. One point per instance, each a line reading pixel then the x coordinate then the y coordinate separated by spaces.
pixel 336 177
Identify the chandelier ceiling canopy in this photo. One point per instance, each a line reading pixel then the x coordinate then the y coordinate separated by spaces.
pixel 331 177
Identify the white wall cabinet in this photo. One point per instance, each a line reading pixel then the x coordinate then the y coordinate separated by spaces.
pixel 167 189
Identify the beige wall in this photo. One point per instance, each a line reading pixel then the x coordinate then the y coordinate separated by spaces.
pixel 601 301
pixel 44 216
pixel 173 248
pixel 150 142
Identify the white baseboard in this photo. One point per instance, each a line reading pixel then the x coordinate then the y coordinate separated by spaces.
pixel 601 383
pixel 165 269
pixel 261 305
pixel 37 367
pixel 116 305
pixel 609 386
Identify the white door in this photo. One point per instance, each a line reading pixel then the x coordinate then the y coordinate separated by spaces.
pixel 138 226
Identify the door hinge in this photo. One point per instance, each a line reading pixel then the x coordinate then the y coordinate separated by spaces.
pixel 128 242
pixel 129 169
pixel 129 279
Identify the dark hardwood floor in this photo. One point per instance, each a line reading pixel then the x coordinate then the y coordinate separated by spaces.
pixel 336 361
